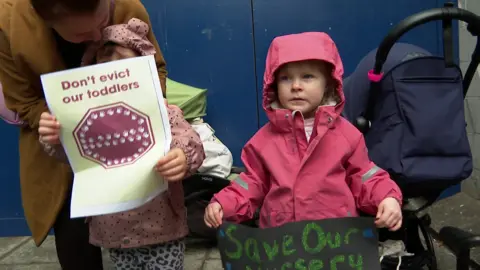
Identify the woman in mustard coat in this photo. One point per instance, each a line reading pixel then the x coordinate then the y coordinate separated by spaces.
pixel 38 37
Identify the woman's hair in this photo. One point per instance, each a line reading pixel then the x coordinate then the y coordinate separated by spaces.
pixel 51 10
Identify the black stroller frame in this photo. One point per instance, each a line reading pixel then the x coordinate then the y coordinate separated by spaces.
pixel 200 188
pixel 458 241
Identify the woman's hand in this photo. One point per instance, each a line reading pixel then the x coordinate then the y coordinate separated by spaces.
pixel 213 215
pixel 173 166
pixel 49 129
pixel 389 214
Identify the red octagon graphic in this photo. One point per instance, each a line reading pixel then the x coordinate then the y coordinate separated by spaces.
pixel 114 135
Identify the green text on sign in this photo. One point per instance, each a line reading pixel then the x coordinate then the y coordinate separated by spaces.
pixel 346 243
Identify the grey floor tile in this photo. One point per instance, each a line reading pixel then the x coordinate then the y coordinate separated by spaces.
pixel 107 264
pixel 195 257
pixel 445 259
pixel 476 150
pixel 467 44
pixel 213 265
pixel 474 88
pixel 45 266
pixel 9 243
pixel 471 186
pixel 29 254
pixel 473 107
pixel 213 254
pixel 471 5
pixel 459 211
pixel 193 264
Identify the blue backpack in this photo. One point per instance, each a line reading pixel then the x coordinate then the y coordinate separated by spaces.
pixel 415 118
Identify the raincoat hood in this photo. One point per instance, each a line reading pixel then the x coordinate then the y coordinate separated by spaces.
pixel 300 47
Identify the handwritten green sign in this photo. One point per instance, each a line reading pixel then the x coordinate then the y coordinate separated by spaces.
pixel 337 244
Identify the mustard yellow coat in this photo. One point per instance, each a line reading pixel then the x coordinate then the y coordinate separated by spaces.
pixel 27 50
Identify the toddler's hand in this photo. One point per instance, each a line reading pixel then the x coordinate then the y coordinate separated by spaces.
pixel 389 214
pixel 173 166
pixel 213 215
pixel 49 129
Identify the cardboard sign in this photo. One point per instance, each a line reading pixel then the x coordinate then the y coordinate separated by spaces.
pixel 341 244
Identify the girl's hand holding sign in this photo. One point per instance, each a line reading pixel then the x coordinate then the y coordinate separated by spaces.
pixel 49 129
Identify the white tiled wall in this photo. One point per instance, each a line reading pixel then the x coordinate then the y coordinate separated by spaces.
pixel 472 102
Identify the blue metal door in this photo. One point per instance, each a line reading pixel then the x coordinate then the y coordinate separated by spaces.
pixel 12 221
pixel 357 27
pixel 221 46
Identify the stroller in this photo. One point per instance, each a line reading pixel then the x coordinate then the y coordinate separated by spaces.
pixel 410 107
pixel 191 100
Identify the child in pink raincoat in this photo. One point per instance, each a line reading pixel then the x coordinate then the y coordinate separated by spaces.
pixel 308 162
pixel 151 236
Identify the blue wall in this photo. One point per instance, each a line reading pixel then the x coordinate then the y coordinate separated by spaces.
pixel 11 213
pixel 222 45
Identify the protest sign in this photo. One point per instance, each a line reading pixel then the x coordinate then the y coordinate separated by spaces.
pixel 344 243
pixel 114 129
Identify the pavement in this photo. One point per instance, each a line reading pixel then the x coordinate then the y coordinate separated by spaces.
pixel 19 253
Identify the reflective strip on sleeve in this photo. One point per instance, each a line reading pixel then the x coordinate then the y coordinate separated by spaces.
pixel 242 183
pixel 370 173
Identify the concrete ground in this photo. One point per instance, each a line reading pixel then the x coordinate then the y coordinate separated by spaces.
pixel 20 253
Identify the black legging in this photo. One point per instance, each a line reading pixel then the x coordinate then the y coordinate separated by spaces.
pixel 71 240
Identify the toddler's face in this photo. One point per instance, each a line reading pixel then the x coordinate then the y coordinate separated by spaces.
pixel 112 52
pixel 301 86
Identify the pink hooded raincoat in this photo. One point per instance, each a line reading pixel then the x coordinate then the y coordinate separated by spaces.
pixel 293 179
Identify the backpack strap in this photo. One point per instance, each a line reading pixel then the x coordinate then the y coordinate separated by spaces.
pixel 448 38
pixel 372 94
pixel 448 43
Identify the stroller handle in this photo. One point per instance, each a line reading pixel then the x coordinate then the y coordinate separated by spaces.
pixel 445 13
